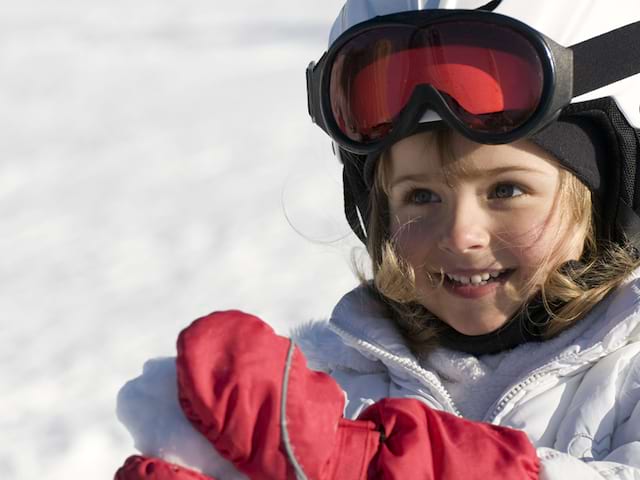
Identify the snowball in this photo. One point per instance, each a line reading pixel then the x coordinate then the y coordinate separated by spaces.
pixel 148 407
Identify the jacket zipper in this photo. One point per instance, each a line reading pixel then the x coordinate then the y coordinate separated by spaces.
pixel 405 363
pixel 435 383
pixel 534 376
pixel 506 398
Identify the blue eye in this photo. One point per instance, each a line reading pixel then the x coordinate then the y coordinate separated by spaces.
pixel 422 196
pixel 506 190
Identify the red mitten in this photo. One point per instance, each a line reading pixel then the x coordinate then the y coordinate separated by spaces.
pixel 429 444
pixel 137 467
pixel 251 394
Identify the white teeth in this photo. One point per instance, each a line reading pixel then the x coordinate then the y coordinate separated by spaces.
pixel 477 279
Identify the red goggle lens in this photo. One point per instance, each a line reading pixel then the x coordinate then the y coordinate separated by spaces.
pixel 490 76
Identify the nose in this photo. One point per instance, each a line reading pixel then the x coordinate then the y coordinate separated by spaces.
pixel 466 229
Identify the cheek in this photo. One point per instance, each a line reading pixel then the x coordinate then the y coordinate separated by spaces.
pixel 531 239
pixel 414 240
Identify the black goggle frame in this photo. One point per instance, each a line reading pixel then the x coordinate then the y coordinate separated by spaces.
pixel 562 77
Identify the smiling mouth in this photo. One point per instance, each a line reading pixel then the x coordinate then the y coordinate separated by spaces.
pixel 477 280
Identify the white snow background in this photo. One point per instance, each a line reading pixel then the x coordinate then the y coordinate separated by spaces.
pixel 156 163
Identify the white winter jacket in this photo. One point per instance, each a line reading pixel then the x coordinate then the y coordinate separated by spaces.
pixel 577 396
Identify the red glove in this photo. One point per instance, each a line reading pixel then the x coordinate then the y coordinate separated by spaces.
pixel 234 373
pixel 231 369
pixel 137 467
pixel 424 443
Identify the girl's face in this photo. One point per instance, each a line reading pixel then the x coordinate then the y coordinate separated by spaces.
pixel 486 218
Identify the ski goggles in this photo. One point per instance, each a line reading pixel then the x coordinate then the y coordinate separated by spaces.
pixel 491 77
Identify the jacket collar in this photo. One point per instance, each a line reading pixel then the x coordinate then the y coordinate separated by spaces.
pixel 360 320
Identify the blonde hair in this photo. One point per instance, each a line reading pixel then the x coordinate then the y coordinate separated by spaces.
pixel 566 294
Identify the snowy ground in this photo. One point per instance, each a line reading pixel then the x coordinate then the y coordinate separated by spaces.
pixel 156 163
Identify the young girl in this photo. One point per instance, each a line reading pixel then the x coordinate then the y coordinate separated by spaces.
pixel 492 175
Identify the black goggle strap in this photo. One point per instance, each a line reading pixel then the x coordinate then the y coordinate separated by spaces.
pixel 605 59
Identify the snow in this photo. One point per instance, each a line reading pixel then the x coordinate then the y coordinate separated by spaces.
pixel 148 407
pixel 157 163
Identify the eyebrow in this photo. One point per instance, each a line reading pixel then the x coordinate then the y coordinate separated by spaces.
pixel 465 175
